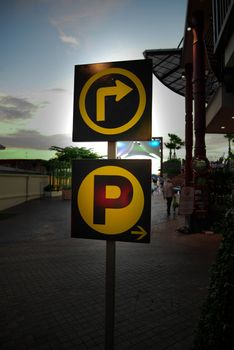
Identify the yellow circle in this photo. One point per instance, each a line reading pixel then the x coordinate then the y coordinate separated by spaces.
pixel 117 220
pixel 132 121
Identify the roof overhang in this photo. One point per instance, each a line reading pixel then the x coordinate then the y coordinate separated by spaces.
pixel 167 68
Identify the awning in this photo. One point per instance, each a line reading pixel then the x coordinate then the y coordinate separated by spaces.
pixel 168 70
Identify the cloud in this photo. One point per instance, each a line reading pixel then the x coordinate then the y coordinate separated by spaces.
pixel 73 16
pixel 68 39
pixel 216 146
pixel 35 140
pixel 13 108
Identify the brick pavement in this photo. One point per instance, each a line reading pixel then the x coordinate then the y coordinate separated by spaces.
pixel 52 289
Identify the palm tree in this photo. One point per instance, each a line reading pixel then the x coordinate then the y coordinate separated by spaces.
pixel 170 146
pixel 174 144
pixel 230 138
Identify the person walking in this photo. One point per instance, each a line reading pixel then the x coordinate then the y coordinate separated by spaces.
pixel 153 186
pixel 168 194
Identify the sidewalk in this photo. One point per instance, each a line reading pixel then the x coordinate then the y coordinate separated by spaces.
pixel 53 287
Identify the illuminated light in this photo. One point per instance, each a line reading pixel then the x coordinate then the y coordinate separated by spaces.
pixel 223 127
pixel 138 149
pixel 233 117
pixel 155 143
pixel 189 29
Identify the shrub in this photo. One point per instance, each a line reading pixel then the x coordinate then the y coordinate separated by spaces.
pixel 216 327
pixel 172 167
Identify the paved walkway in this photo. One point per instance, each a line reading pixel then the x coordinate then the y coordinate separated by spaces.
pixel 52 290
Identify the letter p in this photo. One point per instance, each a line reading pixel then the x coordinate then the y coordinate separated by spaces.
pixel 110 191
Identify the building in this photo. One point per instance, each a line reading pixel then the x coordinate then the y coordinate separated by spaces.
pixel 26 165
pixel 201 69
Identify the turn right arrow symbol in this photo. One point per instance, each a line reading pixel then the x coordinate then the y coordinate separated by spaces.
pixel 119 90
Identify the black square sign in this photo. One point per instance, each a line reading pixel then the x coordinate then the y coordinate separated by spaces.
pixel 113 101
pixel 111 200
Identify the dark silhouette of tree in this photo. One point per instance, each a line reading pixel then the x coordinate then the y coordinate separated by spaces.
pixel 170 146
pixel 175 143
pixel 230 138
pixel 59 167
pixel 71 153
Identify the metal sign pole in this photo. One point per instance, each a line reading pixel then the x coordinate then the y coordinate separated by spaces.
pixel 110 277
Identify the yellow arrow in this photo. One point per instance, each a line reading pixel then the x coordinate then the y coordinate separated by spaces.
pixel 141 232
pixel 119 90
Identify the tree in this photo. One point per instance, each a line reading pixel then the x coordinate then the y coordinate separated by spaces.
pixel 59 167
pixel 71 153
pixel 170 146
pixel 175 143
pixel 230 138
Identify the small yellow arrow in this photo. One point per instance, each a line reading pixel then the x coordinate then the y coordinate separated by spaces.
pixel 119 90
pixel 141 232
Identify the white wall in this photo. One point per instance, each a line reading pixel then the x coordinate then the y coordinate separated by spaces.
pixel 18 188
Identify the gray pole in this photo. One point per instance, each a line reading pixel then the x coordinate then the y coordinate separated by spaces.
pixel 110 278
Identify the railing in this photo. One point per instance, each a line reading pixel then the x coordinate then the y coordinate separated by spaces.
pixel 221 12
pixel 59 174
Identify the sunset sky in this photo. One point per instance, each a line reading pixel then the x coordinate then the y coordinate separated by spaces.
pixel 42 41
